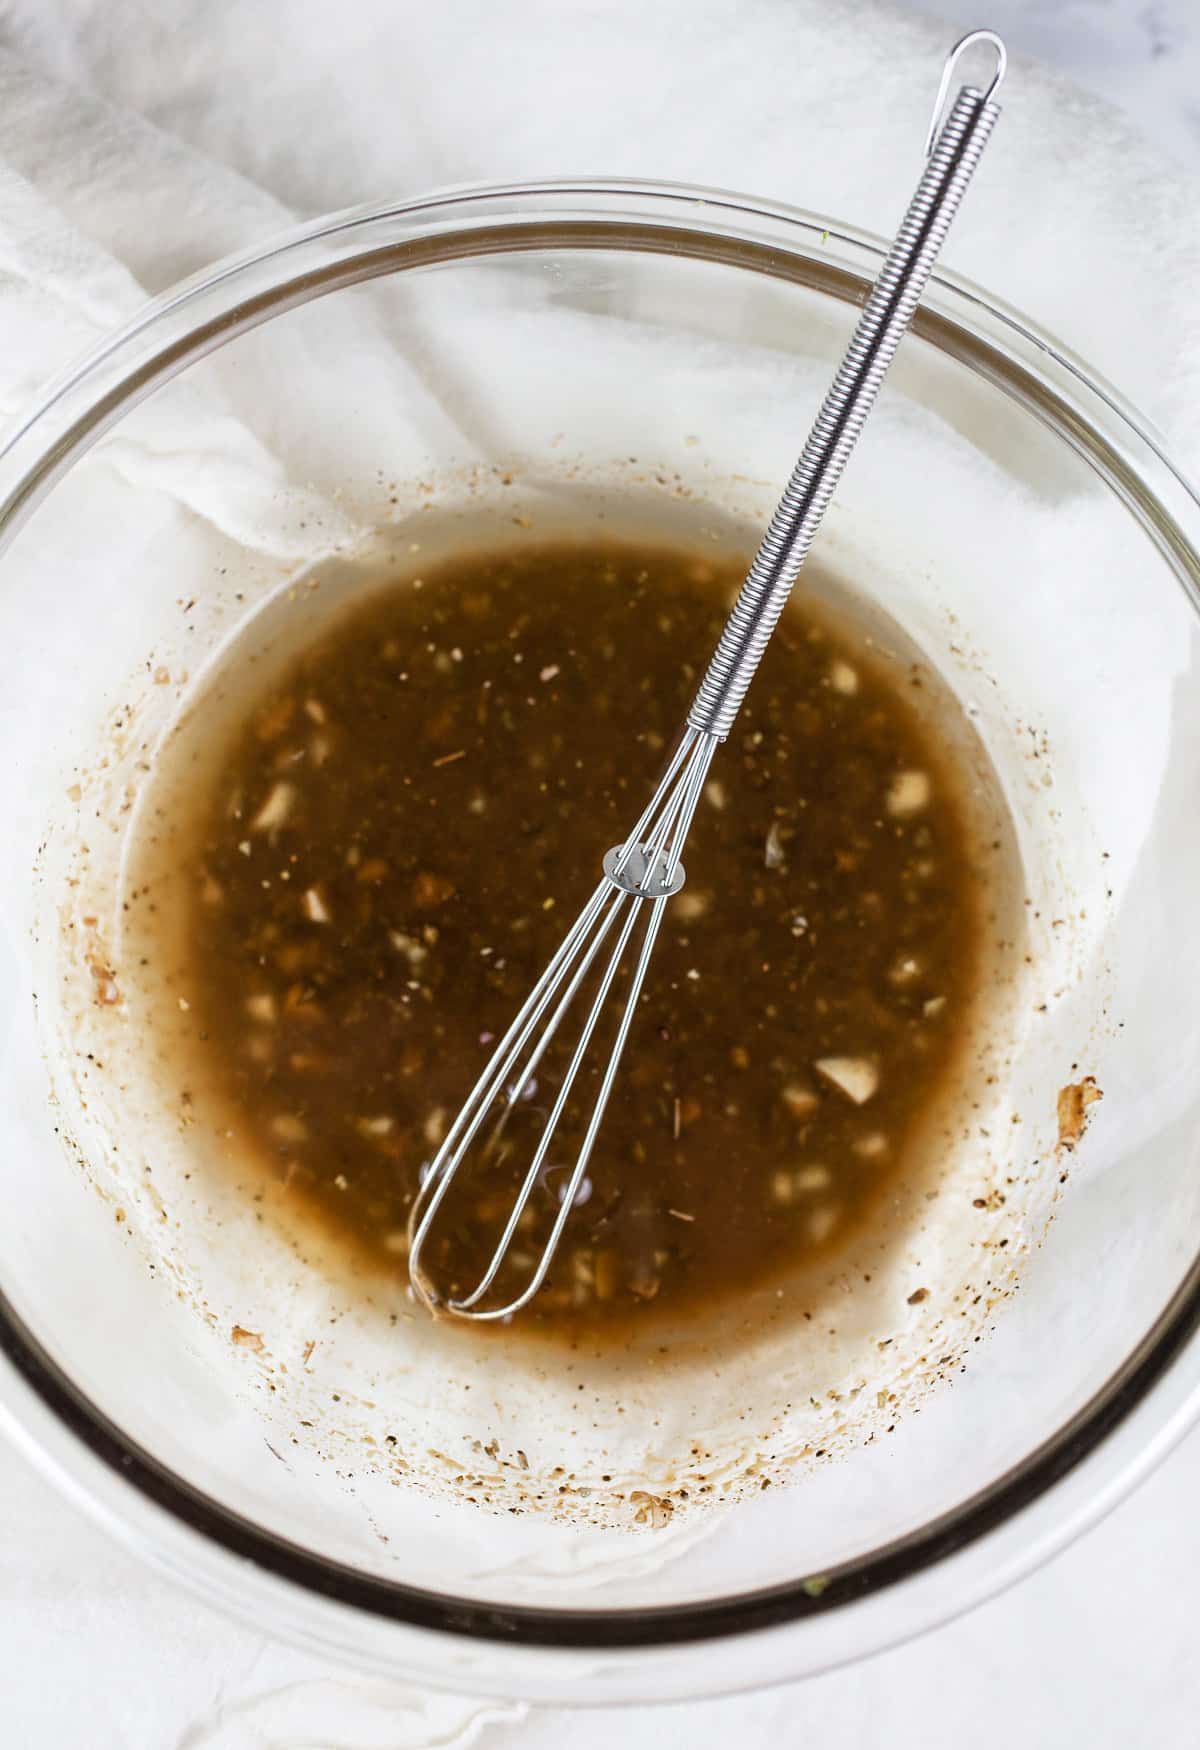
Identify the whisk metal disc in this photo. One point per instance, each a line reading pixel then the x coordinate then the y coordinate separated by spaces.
pixel 643 875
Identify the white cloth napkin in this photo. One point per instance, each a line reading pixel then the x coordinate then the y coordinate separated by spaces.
pixel 138 143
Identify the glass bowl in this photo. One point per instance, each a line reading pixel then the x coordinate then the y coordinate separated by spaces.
pixel 560 345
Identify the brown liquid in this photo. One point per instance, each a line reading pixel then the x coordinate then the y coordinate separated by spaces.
pixel 388 847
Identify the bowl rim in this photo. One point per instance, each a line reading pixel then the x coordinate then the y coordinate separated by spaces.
pixel 785 242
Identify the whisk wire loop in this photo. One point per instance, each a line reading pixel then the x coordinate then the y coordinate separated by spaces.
pixel 658 835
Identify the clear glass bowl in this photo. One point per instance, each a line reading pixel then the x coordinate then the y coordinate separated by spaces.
pixel 1025 529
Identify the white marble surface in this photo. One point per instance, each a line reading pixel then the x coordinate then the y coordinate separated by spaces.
pixel 1099 1648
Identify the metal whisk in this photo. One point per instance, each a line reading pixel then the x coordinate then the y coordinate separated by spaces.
pixel 642 874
